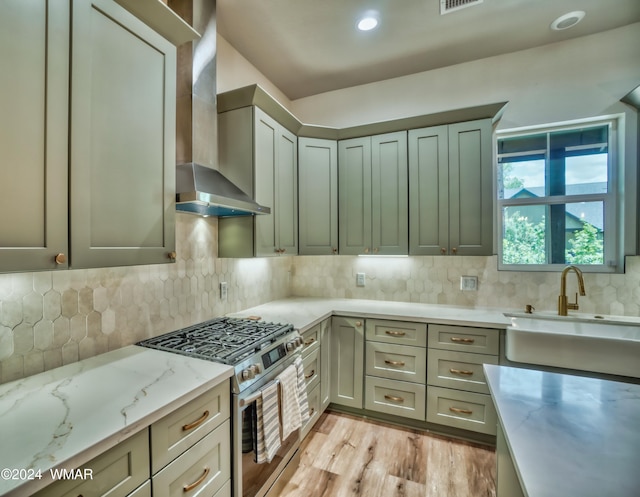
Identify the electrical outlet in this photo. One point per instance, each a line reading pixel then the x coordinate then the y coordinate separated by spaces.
pixel 360 277
pixel 223 290
pixel 469 283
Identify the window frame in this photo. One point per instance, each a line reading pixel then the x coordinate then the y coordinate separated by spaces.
pixel 612 200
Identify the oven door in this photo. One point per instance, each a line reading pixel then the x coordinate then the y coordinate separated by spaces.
pixel 252 479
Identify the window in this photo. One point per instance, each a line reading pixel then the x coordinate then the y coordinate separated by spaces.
pixel 556 197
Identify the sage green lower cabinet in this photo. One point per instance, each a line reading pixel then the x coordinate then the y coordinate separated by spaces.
pixel 460 370
pixel 325 364
pixel 143 490
pixel 317 196
pixel 451 189
pixel 313 398
pixel 347 361
pixel 397 362
pixel 315 359
pixel 203 469
pixel 115 473
pixel 507 482
pixel 400 398
pixel 461 409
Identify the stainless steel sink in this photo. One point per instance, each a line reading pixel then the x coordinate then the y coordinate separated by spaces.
pixel 603 344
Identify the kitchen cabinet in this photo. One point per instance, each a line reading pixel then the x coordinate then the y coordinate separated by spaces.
pixel 117 472
pixel 395 381
pixel 457 390
pixel 91 138
pixel 260 156
pixel 373 195
pixel 451 189
pixel 347 361
pixel 315 358
pixel 318 196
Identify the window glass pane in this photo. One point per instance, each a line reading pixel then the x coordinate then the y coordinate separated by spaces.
pixel 522 179
pixel 570 233
pixel 586 174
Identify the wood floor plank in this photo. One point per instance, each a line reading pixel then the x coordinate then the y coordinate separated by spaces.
pixel 347 456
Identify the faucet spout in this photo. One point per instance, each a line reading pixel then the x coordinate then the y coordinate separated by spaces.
pixel 563 303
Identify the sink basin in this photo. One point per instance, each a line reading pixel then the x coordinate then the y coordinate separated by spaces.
pixel 602 344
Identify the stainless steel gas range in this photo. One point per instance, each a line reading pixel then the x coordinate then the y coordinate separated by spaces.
pixel 259 352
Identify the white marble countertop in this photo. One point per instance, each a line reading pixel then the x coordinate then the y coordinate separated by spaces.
pixel 304 312
pixel 65 417
pixel 569 436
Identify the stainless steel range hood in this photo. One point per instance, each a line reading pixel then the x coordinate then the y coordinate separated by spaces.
pixel 200 187
pixel 207 192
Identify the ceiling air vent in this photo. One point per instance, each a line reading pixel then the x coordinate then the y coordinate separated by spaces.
pixel 447 6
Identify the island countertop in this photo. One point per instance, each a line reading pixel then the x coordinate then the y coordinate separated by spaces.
pixel 65 417
pixel 569 435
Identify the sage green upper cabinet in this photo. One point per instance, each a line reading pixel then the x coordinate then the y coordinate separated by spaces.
pixel 261 157
pixel 122 143
pixel 451 190
pixel 318 196
pixel 373 195
pixel 34 61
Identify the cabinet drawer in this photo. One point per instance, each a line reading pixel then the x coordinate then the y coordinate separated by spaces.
pixel 142 491
pixel 466 410
pixel 176 432
pixel 314 410
pixel 311 340
pixel 397 362
pixel 205 467
pixel 399 332
pixel 116 473
pixel 311 365
pixel 464 339
pixel 461 370
pixel 395 397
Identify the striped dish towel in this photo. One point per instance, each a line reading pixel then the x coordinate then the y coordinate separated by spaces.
pixel 302 391
pixel 290 418
pixel 266 439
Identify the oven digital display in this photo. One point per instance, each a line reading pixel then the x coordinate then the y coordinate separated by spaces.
pixel 273 356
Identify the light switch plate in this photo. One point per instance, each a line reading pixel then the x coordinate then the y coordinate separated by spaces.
pixel 360 278
pixel 469 283
pixel 223 290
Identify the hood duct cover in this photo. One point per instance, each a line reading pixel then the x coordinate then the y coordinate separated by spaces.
pixel 205 191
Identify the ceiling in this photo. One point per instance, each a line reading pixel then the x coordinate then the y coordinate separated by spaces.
pixel 306 47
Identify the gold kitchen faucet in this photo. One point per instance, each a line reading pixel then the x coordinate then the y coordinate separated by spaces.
pixel 563 303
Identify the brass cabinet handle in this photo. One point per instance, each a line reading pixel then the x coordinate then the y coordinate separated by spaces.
pixel 282 251
pixel 454 250
pixel 394 363
pixel 307 376
pixel 312 411
pixel 394 398
pixel 375 250
pixel 197 422
pixel 172 255
pixel 358 323
pixel 394 333
pixel 334 250
pixel 199 481
pixel 460 371
pixel 309 342
pixel 366 250
pixel 462 340
pixel 461 411
pixel 60 258
pixel 443 250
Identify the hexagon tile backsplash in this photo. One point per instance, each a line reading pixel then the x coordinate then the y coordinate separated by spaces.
pixel 52 318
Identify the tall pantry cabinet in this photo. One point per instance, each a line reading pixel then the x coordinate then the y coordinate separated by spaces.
pixel 87 130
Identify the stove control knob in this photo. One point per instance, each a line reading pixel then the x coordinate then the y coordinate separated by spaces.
pixel 258 368
pixel 248 374
pixel 291 346
pixel 300 341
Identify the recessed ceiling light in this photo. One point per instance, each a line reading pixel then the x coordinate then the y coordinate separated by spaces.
pixel 568 20
pixel 367 23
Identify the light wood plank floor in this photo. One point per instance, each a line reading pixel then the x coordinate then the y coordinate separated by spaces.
pixel 349 456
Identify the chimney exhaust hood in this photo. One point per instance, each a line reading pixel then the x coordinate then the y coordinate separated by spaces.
pixel 200 188
pixel 207 192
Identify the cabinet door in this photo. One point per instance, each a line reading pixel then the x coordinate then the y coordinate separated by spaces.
pixel 428 191
pixel 471 188
pixel 318 196
pixel 34 55
pixel 123 79
pixel 347 361
pixel 286 192
pixel 354 195
pixel 325 363
pixel 389 194
pixel 265 141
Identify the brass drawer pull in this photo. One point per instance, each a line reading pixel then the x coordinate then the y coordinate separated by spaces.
pixel 312 411
pixel 460 371
pixel 197 422
pixel 394 398
pixel 307 376
pixel 199 481
pixel 462 340
pixel 394 333
pixel 461 411
pixel 309 342
pixel 394 363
